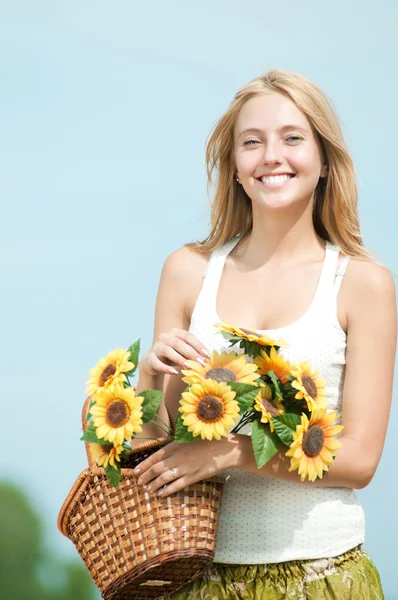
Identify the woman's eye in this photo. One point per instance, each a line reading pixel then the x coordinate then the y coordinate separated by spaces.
pixel 294 137
pixel 250 142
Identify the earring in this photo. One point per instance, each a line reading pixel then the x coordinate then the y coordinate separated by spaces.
pixel 237 179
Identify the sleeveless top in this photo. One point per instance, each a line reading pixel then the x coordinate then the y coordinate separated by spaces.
pixel 264 519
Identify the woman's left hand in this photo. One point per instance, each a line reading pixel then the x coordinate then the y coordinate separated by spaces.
pixel 190 461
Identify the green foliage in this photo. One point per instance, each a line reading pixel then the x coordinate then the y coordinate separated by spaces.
pixel 182 434
pixel 90 435
pixel 29 570
pixel 245 394
pixel 113 475
pixel 285 426
pixel 134 350
pixel 275 385
pixel 151 403
pixel 265 443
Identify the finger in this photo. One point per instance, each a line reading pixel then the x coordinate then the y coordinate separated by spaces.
pixel 175 486
pixel 165 478
pixel 193 341
pixel 157 365
pixel 187 351
pixel 150 461
pixel 148 478
pixel 171 355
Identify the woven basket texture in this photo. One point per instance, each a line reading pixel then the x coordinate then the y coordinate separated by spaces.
pixel 134 543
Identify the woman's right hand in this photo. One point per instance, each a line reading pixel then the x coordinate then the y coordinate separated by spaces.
pixel 171 351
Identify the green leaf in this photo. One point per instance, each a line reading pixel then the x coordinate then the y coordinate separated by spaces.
pixel 113 475
pixel 151 403
pixel 276 384
pixel 90 435
pixel 181 433
pixel 285 426
pixel 265 444
pixel 134 350
pixel 245 394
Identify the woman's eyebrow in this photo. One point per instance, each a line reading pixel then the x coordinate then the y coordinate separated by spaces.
pixel 283 128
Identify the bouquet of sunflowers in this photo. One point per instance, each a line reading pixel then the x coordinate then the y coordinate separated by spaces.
pixel 284 403
pixel 116 413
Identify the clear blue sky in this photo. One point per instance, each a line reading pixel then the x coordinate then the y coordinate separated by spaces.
pixel 104 112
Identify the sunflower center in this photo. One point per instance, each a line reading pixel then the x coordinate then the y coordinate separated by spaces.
pixel 310 386
pixel 117 413
pixel 269 407
pixel 107 448
pixel 220 374
pixel 210 408
pixel 313 440
pixel 106 373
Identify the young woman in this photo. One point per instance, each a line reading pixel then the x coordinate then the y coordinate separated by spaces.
pixel 284 258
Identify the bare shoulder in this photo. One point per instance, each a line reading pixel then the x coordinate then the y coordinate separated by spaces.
pixel 185 268
pixel 369 286
pixel 370 277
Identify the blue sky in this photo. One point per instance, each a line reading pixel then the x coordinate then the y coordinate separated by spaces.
pixel 104 112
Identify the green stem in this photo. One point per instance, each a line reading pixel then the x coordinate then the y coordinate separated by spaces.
pixel 167 432
pixel 244 421
pixel 142 438
pixel 160 419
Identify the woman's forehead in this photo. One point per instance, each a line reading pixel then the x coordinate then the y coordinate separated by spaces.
pixel 270 112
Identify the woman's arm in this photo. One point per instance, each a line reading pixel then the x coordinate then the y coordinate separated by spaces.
pixel 181 277
pixel 368 292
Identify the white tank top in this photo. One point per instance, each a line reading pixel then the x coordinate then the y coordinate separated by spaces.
pixel 264 519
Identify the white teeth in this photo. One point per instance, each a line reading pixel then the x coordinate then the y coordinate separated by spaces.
pixel 275 178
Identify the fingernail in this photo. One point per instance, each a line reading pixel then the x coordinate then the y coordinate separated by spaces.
pixel 139 481
pixel 205 353
pixel 187 365
pixel 171 370
pixel 137 470
pixel 200 360
pixel 160 493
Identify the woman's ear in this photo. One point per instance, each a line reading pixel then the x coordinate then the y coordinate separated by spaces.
pixel 324 171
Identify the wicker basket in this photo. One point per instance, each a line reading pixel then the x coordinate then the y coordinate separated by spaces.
pixel 135 544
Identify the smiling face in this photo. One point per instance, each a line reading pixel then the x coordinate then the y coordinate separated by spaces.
pixel 277 153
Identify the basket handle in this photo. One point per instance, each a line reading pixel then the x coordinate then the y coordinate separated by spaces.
pixel 145 445
pixel 86 406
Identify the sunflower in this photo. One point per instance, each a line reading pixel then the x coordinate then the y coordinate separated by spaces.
pixel 227 366
pixel 109 371
pixel 117 414
pixel 309 386
pixel 249 335
pixel 208 409
pixel 314 446
pixel 106 454
pixel 268 408
pixel 274 362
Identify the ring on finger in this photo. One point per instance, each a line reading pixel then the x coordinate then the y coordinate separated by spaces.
pixel 173 473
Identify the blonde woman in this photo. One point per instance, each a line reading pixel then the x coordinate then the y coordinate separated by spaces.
pixel 284 258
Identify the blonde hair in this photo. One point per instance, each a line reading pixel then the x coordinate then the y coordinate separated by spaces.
pixel 335 212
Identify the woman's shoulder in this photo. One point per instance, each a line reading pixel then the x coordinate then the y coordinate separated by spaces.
pixel 184 269
pixel 368 286
pixel 366 275
pixel 186 261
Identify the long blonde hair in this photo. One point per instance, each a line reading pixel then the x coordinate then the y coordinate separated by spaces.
pixel 335 211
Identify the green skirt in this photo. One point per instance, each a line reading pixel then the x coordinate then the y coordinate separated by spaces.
pixel 350 576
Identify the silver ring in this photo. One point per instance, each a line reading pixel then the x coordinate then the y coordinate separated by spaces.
pixel 173 472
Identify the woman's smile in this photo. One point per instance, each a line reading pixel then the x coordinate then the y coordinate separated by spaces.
pixel 275 182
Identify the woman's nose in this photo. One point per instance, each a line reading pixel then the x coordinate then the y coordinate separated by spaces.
pixel 272 153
